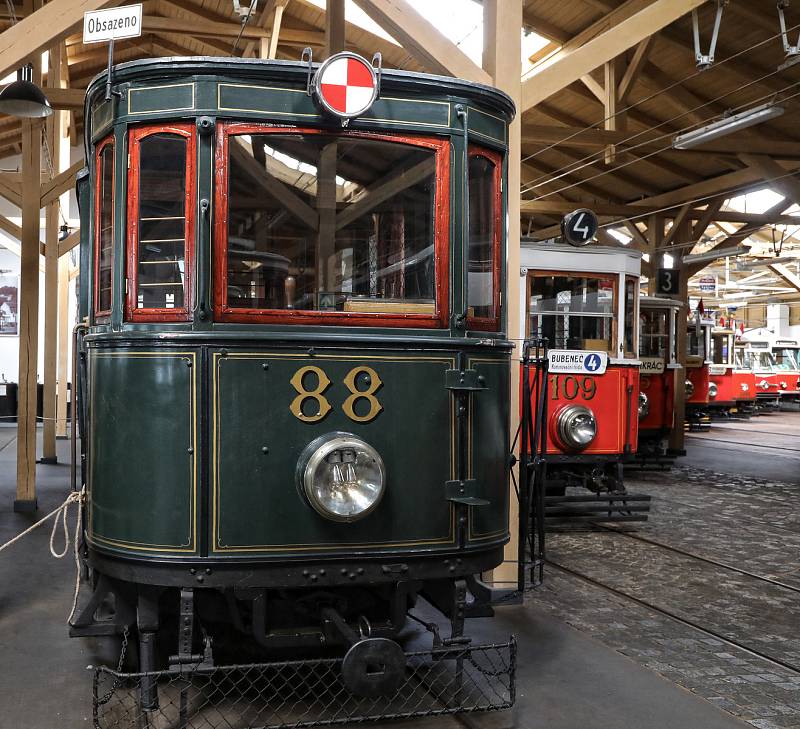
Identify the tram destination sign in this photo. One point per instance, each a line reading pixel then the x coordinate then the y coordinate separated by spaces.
pixel 100 26
pixel 574 361
pixel 651 365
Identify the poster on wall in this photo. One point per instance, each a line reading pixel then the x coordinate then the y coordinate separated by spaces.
pixel 9 290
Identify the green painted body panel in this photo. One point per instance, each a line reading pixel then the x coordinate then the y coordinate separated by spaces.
pixel 485 126
pixel 143 464
pixel 172 97
pixel 258 506
pixel 488 448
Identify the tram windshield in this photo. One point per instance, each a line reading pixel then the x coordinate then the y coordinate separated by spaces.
pixel 574 312
pixel 743 359
pixel 786 359
pixel 323 222
pixel 763 361
pixel 697 344
pixel 654 333
pixel 721 348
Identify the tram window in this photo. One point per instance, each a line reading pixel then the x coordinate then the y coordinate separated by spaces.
pixel 785 359
pixel 483 260
pixel 653 333
pixel 104 229
pixel 631 296
pixel 696 341
pixel 574 312
pixel 161 208
pixel 332 225
pixel 720 348
pixel 743 360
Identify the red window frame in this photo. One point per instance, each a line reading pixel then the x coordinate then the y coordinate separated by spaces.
pixel 98 194
pixel 485 323
pixel 136 135
pixel 441 226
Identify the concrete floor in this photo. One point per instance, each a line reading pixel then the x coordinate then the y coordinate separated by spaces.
pixel 566 679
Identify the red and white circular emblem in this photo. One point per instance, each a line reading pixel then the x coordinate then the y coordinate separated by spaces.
pixel 346 85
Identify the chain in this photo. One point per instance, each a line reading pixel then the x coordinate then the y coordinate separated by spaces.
pixel 51 169
pixel 118 678
pixel 11 11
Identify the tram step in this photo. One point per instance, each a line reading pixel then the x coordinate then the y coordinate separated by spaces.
pixel 597 507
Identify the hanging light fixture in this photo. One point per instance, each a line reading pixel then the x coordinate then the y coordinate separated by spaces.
pixel 23 98
pixel 727 125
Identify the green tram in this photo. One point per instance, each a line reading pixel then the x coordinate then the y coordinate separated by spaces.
pixel 295 363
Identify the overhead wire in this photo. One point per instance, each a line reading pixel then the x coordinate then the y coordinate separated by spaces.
pixel 639 159
pixel 655 94
pixel 569 169
pixel 641 133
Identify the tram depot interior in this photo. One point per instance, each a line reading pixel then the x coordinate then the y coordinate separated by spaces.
pixel 481 370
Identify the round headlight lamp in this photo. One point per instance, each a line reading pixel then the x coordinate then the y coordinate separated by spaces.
pixel 576 427
pixel 797 384
pixel 713 389
pixel 341 476
pixel 689 388
pixel 764 385
pixel 644 406
pixel 745 387
pixel 783 385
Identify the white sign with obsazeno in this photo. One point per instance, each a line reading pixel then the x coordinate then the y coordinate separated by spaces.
pixel 651 365
pixel 112 24
pixel 574 361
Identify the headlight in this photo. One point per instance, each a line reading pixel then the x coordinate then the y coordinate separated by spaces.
pixel 712 389
pixel 689 388
pixel 745 387
pixel 783 385
pixel 342 477
pixel 644 406
pixel 576 427
pixel 764 385
pixel 797 384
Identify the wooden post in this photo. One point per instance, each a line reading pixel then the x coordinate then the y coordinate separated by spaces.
pixel 334 27
pixel 677 438
pixel 502 52
pixel 29 311
pixel 53 132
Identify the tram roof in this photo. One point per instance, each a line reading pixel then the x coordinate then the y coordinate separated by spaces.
pixel 296 72
pixel 653 302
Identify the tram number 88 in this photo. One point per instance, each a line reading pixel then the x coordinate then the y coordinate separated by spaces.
pixel 569 387
pixel 362 375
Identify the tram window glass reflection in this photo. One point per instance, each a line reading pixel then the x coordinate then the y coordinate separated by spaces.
pixel 653 333
pixel 631 296
pixel 330 223
pixel 573 312
pixel 104 229
pixel 696 341
pixel 786 359
pixel 163 164
pixel 483 259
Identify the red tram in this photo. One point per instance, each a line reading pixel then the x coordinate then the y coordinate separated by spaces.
pixel 745 379
pixel 787 364
pixel 698 360
pixel 766 374
pixel 723 385
pixel 657 372
pixel 585 303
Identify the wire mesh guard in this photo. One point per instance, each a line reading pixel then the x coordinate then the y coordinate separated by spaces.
pixel 303 693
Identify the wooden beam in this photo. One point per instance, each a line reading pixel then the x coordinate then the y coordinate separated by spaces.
pixel 72 240
pixel 423 40
pixel 280 6
pixel 385 188
pixel 710 214
pixel 774 174
pixel 677 224
pixel 36 32
pixel 334 27
pixel 63 181
pixel 634 69
pixel 28 316
pixel 613 39
pixel 10 187
pixel 789 276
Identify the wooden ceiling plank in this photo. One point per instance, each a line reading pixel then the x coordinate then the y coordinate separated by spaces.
pixel 634 68
pixel 789 276
pixel 616 38
pixel 423 40
pixel 43 28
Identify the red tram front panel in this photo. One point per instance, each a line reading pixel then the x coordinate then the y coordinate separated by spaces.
pixel 698 376
pixel 612 397
pixel 723 386
pixel 659 387
pixel 745 387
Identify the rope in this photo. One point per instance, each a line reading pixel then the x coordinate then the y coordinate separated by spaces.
pixel 76 497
